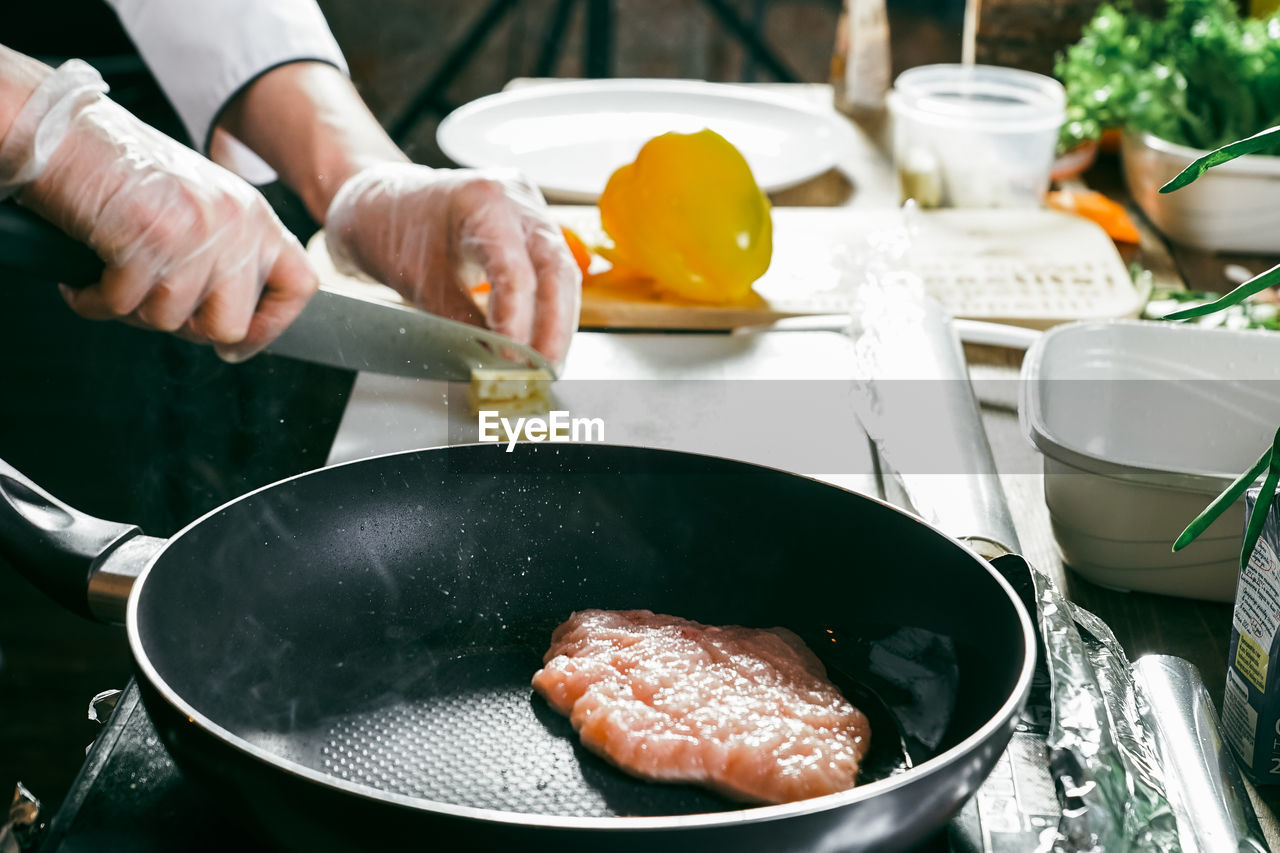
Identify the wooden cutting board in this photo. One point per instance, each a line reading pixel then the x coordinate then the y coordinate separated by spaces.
pixel 1029 267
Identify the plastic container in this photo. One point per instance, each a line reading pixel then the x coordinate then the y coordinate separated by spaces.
pixel 975 135
pixel 1142 424
pixel 1234 207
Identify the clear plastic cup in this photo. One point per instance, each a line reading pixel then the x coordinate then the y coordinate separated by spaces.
pixel 975 135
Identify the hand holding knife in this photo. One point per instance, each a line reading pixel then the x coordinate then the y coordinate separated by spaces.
pixel 335 329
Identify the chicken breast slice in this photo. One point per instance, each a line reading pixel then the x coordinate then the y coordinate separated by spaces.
pixel 746 712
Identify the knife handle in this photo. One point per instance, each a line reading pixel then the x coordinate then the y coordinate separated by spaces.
pixel 32 248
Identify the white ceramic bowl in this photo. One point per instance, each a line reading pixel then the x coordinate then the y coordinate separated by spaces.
pixel 1141 425
pixel 1234 207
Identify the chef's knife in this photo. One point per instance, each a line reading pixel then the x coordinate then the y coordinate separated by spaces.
pixel 358 333
pixel 337 329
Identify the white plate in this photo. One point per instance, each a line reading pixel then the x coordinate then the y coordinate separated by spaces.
pixel 570 137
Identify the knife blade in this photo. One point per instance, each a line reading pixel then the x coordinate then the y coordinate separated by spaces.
pixel 357 333
pixel 337 328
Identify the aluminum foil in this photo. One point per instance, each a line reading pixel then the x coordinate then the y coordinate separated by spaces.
pixel 1136 750
pixel 1204 782
pixel 1101 748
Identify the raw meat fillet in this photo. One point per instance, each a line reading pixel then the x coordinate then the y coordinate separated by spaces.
pixel 746 712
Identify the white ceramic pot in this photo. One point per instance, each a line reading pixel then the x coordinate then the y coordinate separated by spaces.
pixel 1234 207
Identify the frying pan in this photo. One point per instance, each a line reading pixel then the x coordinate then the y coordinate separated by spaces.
pixel 345 656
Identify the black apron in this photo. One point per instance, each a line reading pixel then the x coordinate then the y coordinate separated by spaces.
pixel 130 424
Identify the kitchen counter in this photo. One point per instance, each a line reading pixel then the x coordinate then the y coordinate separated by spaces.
pixel 685 381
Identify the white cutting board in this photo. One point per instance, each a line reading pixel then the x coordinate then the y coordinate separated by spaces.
pixel 773 398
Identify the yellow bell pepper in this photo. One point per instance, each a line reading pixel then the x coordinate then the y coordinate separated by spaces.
pixel 689 215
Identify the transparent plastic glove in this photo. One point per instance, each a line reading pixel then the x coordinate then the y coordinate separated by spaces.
pixel 433 234
pixel 189 247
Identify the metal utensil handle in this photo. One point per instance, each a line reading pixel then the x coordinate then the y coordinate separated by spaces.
pixel 64 552
pixel 31 247
pixel 917 405
pixel 982 516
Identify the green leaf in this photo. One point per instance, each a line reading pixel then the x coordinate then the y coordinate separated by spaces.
pixel 1266 140
pixel 1228 497
pixel 1254 285
pixel 1263 505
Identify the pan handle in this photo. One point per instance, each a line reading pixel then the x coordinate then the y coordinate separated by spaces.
pixel 84 563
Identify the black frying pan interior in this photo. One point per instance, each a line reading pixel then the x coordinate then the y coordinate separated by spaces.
pixel 379 622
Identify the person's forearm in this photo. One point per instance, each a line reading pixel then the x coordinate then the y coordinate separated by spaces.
pixel 19 77
pixel 307 122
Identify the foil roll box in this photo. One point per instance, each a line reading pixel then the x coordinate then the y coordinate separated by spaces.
pixel 1251 703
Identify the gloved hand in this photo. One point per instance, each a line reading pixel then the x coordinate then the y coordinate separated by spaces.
pixel 432 234
pixel 189 247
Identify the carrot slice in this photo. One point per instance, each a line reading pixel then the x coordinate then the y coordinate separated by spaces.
pixel 1095 206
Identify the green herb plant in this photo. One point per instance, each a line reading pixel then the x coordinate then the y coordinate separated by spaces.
pixel 1270 460
pixel 1201 75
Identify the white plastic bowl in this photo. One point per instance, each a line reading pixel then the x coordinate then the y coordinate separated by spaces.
pixel 1234 207
pixel 1141 425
